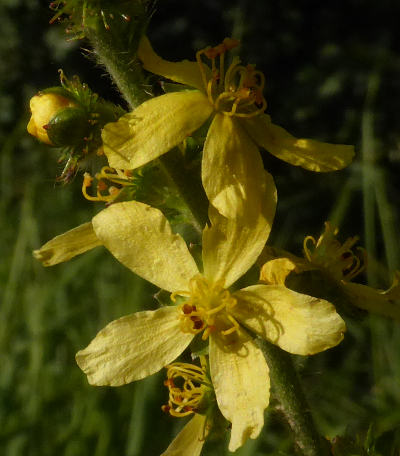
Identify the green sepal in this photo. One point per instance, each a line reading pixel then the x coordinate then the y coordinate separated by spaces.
pixel 68 127
pixel 199 347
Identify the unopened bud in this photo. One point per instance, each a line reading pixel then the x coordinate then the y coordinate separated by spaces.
pixel 44 108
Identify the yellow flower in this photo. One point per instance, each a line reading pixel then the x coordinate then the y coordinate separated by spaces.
pixel 44 108
pixel 140 344
pixel 233 100
pixel 83 238
pixel 339 263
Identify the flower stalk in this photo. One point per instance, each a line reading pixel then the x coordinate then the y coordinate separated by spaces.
pixel 293 403
pixel 119 59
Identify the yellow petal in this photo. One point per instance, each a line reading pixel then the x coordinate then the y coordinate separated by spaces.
pixel 375 301
pixel 307 153
pixel 190 441
pixel 297 323
pixel 276 271
pixel 240 376
pixel 154 128
pixel 185 72
pixel 231 246
pixel 232 169
pixel 67 245
pixel 133 347
pixel 140 237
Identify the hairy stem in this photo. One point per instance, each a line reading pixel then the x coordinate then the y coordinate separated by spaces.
pixel 293 403
pixel 121 63
pixel 116 51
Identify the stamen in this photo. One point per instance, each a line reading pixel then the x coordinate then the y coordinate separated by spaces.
pixel 235 327
pixel 207 309
pixel 112 175
pixel 307 251
pixel 194 383
pixel 201 68
pixel 339 259
pixel 237 91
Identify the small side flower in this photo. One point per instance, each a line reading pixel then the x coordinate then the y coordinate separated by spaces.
pixel 334 265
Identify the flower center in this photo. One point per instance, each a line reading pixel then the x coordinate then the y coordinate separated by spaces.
pixel 188 386
pixel 207 308
pixel 341 260
pixel 238 91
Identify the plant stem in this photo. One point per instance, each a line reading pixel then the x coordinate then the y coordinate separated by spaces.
pixel 126 72
pixel 293 403
pixel 121 63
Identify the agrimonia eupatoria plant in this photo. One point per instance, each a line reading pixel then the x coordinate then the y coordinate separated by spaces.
pixel 189 207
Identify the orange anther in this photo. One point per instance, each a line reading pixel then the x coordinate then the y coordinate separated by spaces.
pixel 187 309
pixel 197 323
pixel 230 43
pixel 211 53
pixel 101 186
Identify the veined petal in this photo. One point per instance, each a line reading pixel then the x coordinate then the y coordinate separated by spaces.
pixel 140 237
pixel 307 153
pixel 133 347
pixel 240 377
pixel 154 128
pixel 190 441
pixel 67 245
pixel 375 301
pixel 232 169
pixel 231 246
pixel 299 324
pixel 185 72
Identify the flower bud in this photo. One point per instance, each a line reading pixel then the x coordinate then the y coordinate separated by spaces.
pixel 68 127
pixel 44 108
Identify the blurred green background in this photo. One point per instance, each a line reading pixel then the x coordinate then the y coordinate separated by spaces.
pixel 333 73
